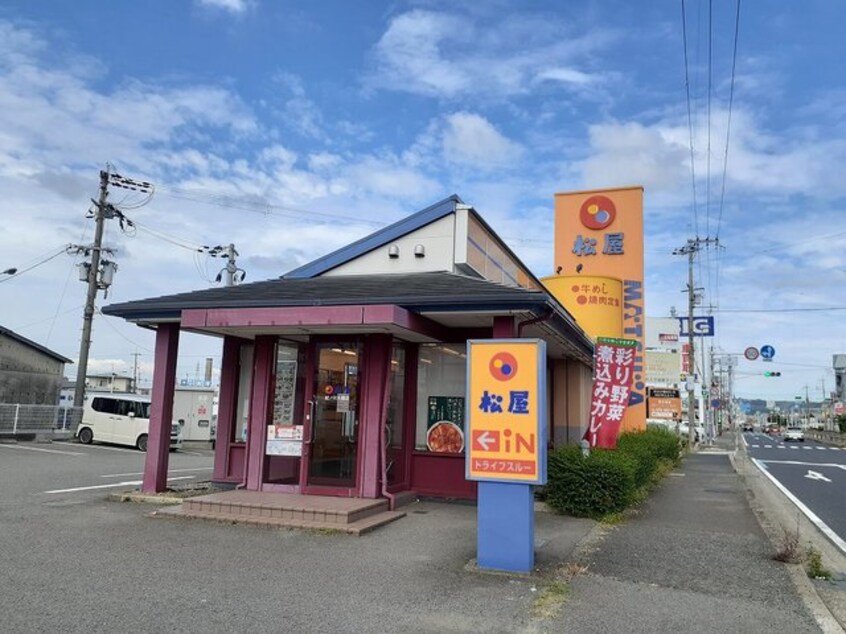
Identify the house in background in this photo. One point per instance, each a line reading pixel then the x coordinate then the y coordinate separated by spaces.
pixel 30 374
pixel 346 377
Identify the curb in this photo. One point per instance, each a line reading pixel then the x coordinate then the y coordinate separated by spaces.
pixel 137 496
pixel 772 515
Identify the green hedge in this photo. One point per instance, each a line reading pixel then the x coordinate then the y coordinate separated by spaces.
pixel 608 480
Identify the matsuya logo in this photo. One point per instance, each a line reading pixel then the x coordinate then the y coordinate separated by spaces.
pixel 503 366
pixel 597 212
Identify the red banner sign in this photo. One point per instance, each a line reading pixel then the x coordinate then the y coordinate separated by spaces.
pixel 612 381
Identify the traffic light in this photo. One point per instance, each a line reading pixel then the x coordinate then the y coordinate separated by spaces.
pixel 772 373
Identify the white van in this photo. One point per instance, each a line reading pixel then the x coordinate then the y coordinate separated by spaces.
pixel 123 419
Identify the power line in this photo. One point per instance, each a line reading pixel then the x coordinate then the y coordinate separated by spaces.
pixel 728 123
pixel 262 207
pixel 21 271
pixel 689 120
pixel 780 310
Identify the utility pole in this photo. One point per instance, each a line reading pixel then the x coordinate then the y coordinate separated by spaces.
pixel 135 372
pixel 91 295
pixel 231 270
pixel 690 250
pixel 98 273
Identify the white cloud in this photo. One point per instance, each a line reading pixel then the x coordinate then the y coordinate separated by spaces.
pixel 448 55
pixel 473 140
pixel 566 75
pixel 233 6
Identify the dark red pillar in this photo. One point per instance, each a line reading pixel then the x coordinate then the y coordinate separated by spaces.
pixel 227 405
pixel 504 327
pixel 161 411
pixel 261 397
pixel 377 358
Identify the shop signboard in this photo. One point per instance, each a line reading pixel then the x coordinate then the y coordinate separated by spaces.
pixel 284 440
pixel 599 236
pixel 663 403
pixel 612 379
pixel 663 367
pixel 506 411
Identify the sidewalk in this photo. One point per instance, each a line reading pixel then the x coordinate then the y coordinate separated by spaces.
pixel 693 560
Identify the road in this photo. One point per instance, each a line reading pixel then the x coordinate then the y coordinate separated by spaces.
pixel 813 473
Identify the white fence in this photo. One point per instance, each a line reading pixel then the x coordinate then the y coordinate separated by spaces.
pixel 19 418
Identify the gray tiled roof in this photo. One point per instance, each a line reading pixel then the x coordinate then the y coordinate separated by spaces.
pixel 413 290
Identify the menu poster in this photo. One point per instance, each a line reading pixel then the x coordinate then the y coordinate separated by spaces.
pixel 283 397
pixel 445 424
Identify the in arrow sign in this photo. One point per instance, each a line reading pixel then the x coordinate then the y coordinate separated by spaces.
pixel 486 440
pixel 813 475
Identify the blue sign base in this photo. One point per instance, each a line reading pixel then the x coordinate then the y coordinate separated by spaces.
pixel 506 527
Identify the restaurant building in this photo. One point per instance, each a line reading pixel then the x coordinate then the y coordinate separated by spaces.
pixel 346 376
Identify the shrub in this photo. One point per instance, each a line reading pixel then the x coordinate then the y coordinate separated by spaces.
pixel 608 481
pixel 594 486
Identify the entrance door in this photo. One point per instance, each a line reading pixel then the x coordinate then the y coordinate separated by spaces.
pixel 334 411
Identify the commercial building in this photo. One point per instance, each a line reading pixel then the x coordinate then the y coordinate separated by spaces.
pixel 346 376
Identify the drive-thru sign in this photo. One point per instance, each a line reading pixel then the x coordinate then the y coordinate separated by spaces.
pixel 506 411
pixel 506 448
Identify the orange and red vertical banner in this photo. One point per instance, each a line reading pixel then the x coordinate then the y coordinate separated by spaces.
pixel 612 381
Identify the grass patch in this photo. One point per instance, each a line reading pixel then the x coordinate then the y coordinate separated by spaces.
pixel 814 564
pixel 613 519
pixel 549 602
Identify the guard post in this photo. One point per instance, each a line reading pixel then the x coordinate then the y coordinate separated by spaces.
pixel 507 427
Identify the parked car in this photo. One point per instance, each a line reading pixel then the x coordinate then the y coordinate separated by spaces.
pixel 794 433
pixel 123 419
pixel 748 427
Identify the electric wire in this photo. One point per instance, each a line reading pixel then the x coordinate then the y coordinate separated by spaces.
pixel 25 269
pixel 85 225
pixel 728 122
pixel 689 120
pixel 262 207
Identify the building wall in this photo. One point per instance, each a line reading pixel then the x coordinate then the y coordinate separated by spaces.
pixel 28 375
pixel 579 384
pixel 437 239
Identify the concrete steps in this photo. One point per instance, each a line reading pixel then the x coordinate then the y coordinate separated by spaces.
pixel 280 510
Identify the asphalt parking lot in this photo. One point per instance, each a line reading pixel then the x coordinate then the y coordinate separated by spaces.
pixel 73 561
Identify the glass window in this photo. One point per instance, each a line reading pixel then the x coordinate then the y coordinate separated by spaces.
pixel 441 385
pixel 245 382
pixel 396 401
pixel 104 405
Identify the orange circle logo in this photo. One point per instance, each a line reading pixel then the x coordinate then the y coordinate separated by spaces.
pixel 597 212
pixel 503 366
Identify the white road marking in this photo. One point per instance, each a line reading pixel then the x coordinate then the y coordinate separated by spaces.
pixel 833 465
pixel 25 448
pixel 821 448
pixel 768 446
pixel 110 486
pixel 807 447
pixel 756 446
pixel 782 447
pixel 816 475
pixel 834 537
pixel 138 473
pixel 794 447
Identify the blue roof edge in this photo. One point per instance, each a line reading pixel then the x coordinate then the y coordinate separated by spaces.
pixel 377 239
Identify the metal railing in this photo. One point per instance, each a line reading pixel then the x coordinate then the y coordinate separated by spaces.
pixel 20 418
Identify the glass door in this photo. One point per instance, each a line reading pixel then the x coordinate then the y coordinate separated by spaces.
pixel 333 437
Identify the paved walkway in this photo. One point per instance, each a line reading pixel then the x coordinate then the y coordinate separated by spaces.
pixel 693 560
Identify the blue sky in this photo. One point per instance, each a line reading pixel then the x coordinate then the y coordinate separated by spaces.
pixel 291 128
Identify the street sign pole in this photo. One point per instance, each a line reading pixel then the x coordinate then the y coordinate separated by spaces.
pixel 506 452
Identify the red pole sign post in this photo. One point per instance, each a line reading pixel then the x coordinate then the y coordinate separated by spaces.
pixel 612 382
